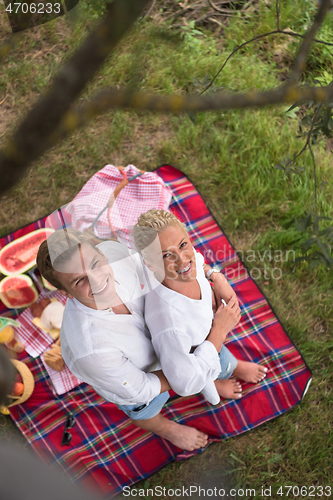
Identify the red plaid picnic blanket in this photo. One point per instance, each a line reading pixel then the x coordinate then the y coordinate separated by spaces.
pixel 107 452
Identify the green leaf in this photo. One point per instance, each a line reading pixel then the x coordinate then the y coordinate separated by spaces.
pixel 321 217
pixel 192 116
pixel 327 231
pixel 307 220
pixel 292 112
pixel 278 166
pixel 309 243
pixel 288 224
pixel 206 80
pixel 303 258
pixel 325 250
pixel 293 171
pixel 298 226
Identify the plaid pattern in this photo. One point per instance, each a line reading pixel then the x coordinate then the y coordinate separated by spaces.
pixel 32 337
pixel 107 452
pixel 140 195
pixel 63 381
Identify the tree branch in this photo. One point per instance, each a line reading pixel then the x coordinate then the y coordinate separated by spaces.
pixel 34 135
pixel 129 99
pixel 218 9
pixel 277 8
pixel 300 61
pixel 274 32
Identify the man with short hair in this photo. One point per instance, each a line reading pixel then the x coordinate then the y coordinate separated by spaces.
pixel 104 338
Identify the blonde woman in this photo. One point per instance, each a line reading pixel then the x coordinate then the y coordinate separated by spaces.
pixel 187 337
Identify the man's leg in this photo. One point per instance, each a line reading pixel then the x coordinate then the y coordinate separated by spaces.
pixel 184 437
pixel 149 418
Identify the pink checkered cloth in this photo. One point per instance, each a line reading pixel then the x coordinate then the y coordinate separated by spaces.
pixel 63 381
pixel 33 338
pixel 140 195
pixel 37 342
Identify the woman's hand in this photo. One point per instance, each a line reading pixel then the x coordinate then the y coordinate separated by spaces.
pixel 214 305
pixel 225 320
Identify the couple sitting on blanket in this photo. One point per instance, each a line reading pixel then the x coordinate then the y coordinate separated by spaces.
pixel 104 337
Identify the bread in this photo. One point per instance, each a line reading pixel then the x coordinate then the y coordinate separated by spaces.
pixel 54 359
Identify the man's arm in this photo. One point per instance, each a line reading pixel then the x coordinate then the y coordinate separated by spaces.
pixel 117 379
pixel 165 386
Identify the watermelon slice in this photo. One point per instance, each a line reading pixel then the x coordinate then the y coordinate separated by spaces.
pixel 20 255
pixel 48 285
pixel 17 291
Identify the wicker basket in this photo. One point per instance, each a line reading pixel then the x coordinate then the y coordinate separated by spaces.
pixel 28 381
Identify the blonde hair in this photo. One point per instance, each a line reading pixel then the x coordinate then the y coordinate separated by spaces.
pixel 58 249
pixel 150 224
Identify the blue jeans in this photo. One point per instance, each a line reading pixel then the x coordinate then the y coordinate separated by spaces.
pixel 145 411
pixel 228 363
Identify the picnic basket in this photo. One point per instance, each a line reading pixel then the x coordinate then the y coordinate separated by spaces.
pixel 28 381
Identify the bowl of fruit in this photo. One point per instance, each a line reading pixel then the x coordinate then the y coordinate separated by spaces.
pixel 23 386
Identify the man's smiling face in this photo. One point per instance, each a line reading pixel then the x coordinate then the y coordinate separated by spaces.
pixel 88 277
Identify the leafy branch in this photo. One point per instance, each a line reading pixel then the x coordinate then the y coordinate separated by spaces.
pixel 53 116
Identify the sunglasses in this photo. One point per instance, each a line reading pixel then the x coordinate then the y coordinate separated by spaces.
pixel 67 436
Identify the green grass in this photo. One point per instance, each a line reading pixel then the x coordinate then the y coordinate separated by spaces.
pixel 230 158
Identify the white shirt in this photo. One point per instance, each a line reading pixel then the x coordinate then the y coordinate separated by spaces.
pixel 177 323
pixel 113 352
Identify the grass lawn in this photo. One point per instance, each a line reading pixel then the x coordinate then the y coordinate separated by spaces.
pixel 230 157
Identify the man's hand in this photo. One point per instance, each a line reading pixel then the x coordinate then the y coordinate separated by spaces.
pixel 225 320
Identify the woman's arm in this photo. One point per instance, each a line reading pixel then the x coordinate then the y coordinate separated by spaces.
pixel 187 370
pixel 222 289
pixel 225 319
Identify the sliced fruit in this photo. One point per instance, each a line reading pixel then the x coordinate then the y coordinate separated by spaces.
pixel 48 285
pixel 18 291
pixel 20 255
pixel 6 335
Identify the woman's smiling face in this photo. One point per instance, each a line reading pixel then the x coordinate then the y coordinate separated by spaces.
pixel 177 254
pixel 88 277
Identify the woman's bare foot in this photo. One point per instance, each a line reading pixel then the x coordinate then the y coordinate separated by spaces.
pixel 250 372
pixel 229 389
pixel 184 437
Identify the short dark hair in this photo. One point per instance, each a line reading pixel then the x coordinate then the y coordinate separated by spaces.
pixel 57 249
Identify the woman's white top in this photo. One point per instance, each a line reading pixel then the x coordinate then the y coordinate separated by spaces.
pixel 178 323
pixel 113 352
